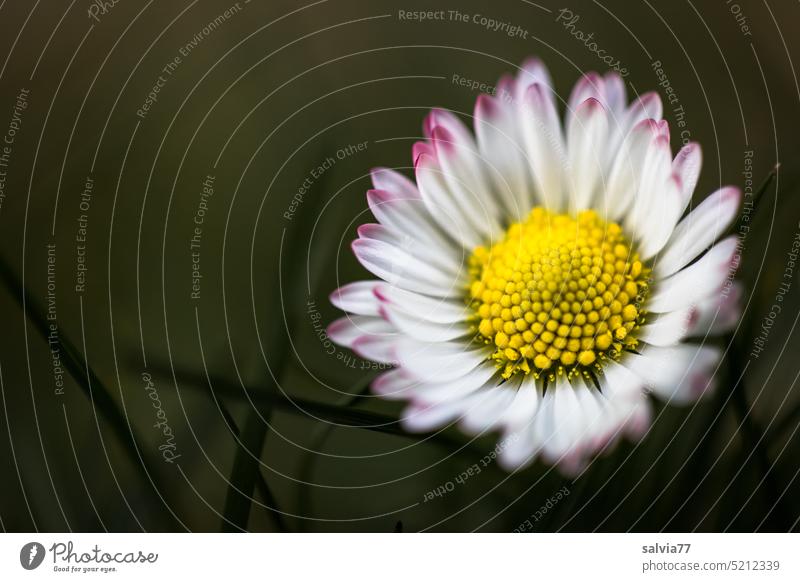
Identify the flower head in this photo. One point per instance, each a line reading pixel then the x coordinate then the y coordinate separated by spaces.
pixel 540 279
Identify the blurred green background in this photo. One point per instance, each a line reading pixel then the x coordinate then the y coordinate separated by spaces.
pixel 257 403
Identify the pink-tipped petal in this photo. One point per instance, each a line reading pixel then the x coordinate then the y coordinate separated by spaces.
pixel 646 106
pixel 676 374
pixel 698 231
pixel 377 347
pixel 411 217
pixel 585 153
pixel 545 146
pixel 394 182
pixel 428 418
pixel 719 313
pixel 697 281
pixel 357 297
pixel 668 329
pixel 590 86
pixel 616 99
pixel 502 146
pixel 398 267
pixel 434 309
pixel 346 330
pixel 421 328
pixel 396 384
pixel 438 362
pixel 686 166
pixel 451 215
pixel 533 71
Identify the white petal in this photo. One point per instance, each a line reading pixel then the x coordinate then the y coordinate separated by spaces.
pixel 435 256
pixel 438 362
pixel 720 312
pixel 420 328
pixel 409 216
pixel 686 166
pixel 678 374
pixel 525 405
pixel 457 144
pixel 545 424
pixel 669 328
pixel 480 378
pixel 648 193
pixel 520 447
pixel 395 183
pixel 572 463
pixel 377 347
pixel 626 169
pixel 503 148
pixel 589 86
pixel 565 420
pixel 618 382
pixel 426 418
pixel 346 330
pixel 646 106
pixel 660 218
pixel 638 419
pixel 616 99
pixel 423 307
pixel 622 394
pixel 586 154
pixel 594 412
pixel 544 142
pixel 441 205
pixel 697 281
pixel 613 424
pixel 698 231
pixel 486 409
pixel 508 90
pixel 395 384
pixel 447 120
pixel 462 170
pixel 356 297
pixel 398 267
pixel 532 71
pixel 399 384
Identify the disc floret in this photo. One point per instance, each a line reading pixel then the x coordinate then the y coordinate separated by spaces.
pixel 558 294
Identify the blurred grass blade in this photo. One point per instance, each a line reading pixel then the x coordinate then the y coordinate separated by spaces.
pixel 244 475
pixel 318 439
pixel 756 204
pixel 246 463
pixel 754 447
pixel 330 413
pixel 344 417
pixel 261 484
pixel 87 380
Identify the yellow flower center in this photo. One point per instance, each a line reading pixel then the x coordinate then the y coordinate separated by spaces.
pixel 557 294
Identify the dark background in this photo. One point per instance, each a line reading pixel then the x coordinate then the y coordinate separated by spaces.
pixel 258 404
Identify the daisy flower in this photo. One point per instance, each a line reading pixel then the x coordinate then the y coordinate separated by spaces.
pixel 541 280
